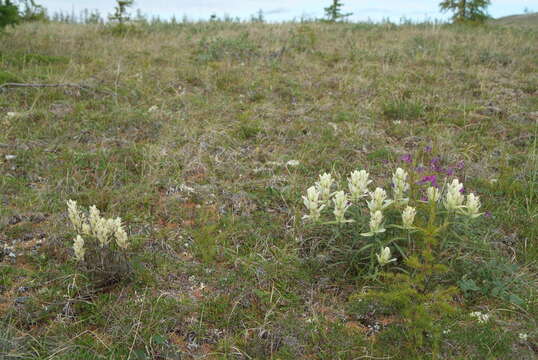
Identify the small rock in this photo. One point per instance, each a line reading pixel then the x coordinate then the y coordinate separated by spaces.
pixel 37 218
pixel 22 300
pixel 15 219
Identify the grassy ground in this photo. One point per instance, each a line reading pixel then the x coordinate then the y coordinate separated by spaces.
pixel 185 132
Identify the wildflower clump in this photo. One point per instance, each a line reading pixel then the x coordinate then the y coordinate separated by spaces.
pixel 101 243
pixel 396 240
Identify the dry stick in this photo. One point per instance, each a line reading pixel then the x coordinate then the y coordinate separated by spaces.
pixel 5 86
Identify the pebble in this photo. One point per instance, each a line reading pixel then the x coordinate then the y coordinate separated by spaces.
pixel 22 299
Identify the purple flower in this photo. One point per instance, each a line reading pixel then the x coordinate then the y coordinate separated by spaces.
pixel 488 214
pixel 432 179
pixel 407 158
pixel 428 149
pixel 449 171
pixel 436 164
pixel 460 165
pixel 420 169
pixel 462 190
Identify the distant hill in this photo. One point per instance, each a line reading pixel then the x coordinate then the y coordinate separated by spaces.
pixel 518 20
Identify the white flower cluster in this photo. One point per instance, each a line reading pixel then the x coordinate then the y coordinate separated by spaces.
pixel 455 201
pixel 318 199
pixel 384 257
pixel 400 185
pixel 482 318
pixel 358 184
pixel 93 225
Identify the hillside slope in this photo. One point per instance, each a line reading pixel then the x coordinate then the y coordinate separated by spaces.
pixel 518 20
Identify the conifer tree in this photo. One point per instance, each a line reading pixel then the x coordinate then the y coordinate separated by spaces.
pixel 466 10
pixel 120 11
pixel 334 12
pixel 9 13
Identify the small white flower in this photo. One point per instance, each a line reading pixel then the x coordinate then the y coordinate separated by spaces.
pixel 11 114
pixel 523 336
pixel 454 197
pixel 313 203
pixel 10 157
pixel 378 200
pixel 94 219
pixel 75 216
pixel 86 229
pixel 408 217
pixel 324 186
pixel 358 184
pixel 104 228
pixel 293 163
pixel 472 206
pixel 376 227
pixel 153 108
pixel 78 247
pixel 482 318
pixel 341 205
pixel 433 194
pixel 400 185
pixel 121 235
pixel 383 258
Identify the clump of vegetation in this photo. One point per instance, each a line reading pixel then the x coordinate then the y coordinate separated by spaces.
pixel 417 221
pixel 100 245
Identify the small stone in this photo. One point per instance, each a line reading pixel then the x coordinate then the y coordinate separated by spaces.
pixel 22 300
pixel 15 219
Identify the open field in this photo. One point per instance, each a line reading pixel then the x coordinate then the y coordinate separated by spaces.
pixel 203 138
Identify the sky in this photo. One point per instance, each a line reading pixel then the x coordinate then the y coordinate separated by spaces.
pixel 282 10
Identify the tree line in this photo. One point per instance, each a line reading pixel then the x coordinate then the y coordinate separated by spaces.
pixel 14 11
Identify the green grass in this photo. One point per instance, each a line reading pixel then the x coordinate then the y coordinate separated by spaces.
pixel 224 267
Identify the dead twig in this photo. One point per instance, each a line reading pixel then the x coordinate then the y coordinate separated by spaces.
pixel 5 86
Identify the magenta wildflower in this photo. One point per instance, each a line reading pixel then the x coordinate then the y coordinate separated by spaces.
pixel 436 164
pixel 407 158
pixel 432 179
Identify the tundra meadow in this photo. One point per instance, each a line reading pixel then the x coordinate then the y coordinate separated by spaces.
pixel 229 190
